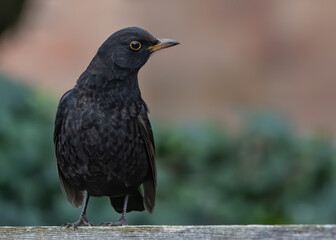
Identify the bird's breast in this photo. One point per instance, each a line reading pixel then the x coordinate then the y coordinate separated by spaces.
pixel 107 146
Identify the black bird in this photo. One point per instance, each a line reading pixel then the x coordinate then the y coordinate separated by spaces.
pixel 103 138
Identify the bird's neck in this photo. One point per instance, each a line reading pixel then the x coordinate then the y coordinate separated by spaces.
pixel 108 83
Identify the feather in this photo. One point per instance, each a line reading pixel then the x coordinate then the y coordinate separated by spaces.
pixel 149 185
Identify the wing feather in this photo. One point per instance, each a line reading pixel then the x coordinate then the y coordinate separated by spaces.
pixel 73 195
pixel 149 185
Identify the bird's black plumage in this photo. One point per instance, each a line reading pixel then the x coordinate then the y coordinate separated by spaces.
pixel 103 138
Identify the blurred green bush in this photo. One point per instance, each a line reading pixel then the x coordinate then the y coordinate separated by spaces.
pixel 266 174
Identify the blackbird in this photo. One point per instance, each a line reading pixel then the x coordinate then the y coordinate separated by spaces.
pixel 103 138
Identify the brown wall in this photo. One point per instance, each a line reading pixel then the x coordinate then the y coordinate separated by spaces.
pixel 235 55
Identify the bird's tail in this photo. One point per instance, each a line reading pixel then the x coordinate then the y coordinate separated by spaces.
pixel 135 202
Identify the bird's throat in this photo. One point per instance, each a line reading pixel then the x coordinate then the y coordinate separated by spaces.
pixel 107 86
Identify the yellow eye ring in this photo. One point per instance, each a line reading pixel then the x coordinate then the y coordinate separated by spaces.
pixel 135 45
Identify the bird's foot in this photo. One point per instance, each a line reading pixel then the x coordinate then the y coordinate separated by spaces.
pixel 82 221
pixel 122 222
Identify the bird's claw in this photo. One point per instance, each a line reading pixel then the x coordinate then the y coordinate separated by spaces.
pixel 122 222
pixel 82 221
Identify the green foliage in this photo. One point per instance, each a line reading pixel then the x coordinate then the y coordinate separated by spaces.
pixel 206 174
pixel 28 183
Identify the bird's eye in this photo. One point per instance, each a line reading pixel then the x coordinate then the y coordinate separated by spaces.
pixel 135 45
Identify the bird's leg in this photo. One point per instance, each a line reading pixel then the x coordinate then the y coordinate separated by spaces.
pixel 82 221
pixel 122 221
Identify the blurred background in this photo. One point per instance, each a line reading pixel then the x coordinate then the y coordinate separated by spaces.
pixel 243 110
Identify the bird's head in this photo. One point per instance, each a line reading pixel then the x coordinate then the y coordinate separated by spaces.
pixel 130 48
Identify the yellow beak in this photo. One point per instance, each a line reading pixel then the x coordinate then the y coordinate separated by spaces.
pixel 163 43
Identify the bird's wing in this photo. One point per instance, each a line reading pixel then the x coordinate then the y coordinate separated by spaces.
pixel 149 185
pixel 74 196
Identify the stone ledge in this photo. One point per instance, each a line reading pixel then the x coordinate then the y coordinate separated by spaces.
pixel 231 232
